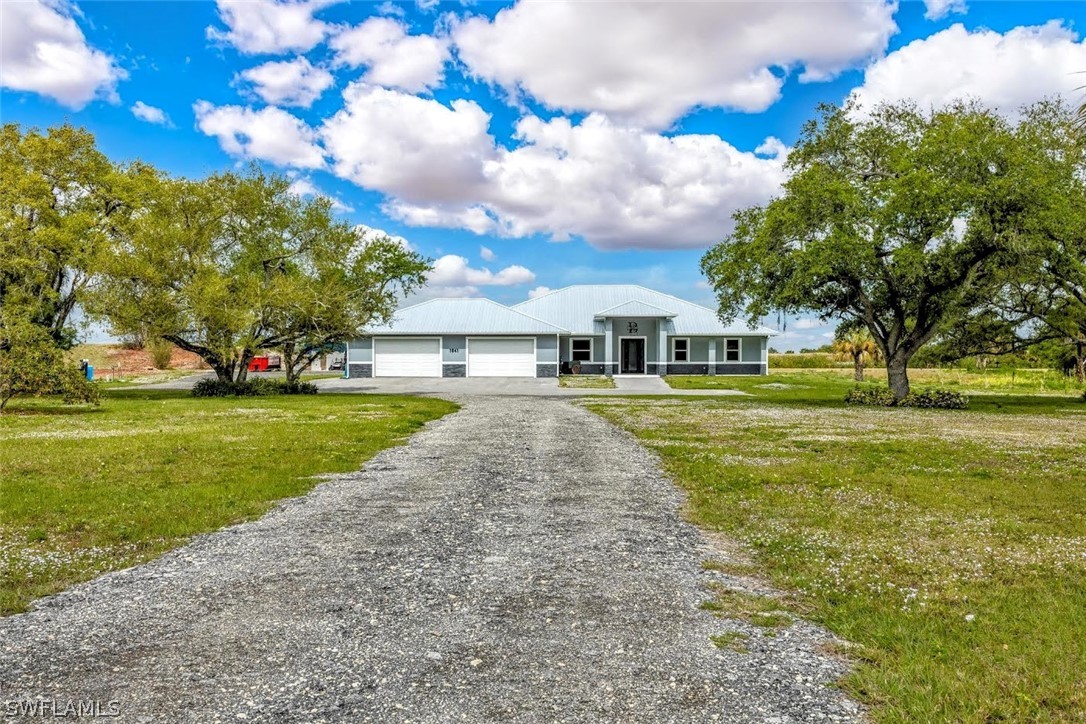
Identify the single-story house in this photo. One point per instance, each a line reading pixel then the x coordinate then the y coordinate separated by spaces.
pixel 606 329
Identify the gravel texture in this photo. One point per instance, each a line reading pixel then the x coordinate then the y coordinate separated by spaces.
pixel 521 560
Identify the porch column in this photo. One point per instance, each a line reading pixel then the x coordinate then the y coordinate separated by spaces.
pixel 608 352
pixel 661 346
pixel 712 356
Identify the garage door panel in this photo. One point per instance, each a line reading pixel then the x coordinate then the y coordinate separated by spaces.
pixel 501 357
pixel 415 357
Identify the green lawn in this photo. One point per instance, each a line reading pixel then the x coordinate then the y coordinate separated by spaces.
pixel 87 490
pixel 948 546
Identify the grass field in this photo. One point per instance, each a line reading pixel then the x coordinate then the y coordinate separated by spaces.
pixel 948 546
pixel 87 490
pixel 586 382
pixel 1003 391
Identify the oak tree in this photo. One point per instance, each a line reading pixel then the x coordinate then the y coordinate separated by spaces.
pixel 894 219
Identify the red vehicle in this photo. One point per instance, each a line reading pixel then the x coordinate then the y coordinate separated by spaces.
pixel 263 364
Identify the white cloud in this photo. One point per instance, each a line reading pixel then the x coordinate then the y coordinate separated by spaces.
pixel 650 62
pixel 394 59
pixel 454 271
pixel 289 82
pixel 487 254
pixel 936 9
pixel 369 233
pixel 615 186
pixel 270 134
pixel 538 292
pixel 1004 71
pixel 390 8
pixel 42 50
pixel 303 186
pixel 438 165
pixel 412 148
pixel 270 26
pixel 150 114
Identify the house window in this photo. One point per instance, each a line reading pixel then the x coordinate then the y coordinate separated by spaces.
pixel 731 350
pixel 680 350
pixel 581 350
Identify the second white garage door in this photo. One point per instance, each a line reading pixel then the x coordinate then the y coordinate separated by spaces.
pixel 501 357
pixel 413 357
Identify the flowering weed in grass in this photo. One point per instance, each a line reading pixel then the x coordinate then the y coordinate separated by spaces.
pixel 949 547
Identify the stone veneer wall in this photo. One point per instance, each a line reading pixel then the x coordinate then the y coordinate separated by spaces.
pixel 454 370
pixel 359 369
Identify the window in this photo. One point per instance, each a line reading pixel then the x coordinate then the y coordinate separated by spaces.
pixel 581 350
pixel 680 350
pixel 731 350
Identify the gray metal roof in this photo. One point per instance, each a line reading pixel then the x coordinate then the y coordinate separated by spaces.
pixel 575 308
pixel 634 308
pixel 463 316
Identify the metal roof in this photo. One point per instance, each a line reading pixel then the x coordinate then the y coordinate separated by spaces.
pixel 634 308
pixel 463 316
pixel 574 308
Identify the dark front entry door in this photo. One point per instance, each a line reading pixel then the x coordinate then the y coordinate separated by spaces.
pixel 633 356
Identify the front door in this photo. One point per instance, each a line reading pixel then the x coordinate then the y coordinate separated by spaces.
pixel 632 359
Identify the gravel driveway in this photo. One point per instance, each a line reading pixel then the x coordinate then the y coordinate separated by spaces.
pixel 521 560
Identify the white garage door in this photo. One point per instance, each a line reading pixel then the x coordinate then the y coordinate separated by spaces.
pixel 501 357
pixel 407 357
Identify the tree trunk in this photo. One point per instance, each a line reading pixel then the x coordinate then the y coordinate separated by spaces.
pixel 290 361
pixel 858 370
pixel 897 374
pixel 243 365
pixel 223 372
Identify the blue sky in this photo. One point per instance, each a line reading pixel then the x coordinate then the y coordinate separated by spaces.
pixel 521 145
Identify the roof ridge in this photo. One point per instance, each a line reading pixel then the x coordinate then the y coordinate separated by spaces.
pixel 634 301
pixel 678 299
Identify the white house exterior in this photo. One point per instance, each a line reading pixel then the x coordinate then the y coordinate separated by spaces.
pixel 603 329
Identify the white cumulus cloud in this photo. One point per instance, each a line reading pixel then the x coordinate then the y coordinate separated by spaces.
pixel 270 134
pixel 288 82
pixel 369 233
pixel 43 50
pixel 936 9
pixel 538 292
pixel 614 185
pixel 487 254
pixel 452 270
pixel 393 58
pixel 650 62
pixel 270 26
pixel 151 114
pixel 1002 70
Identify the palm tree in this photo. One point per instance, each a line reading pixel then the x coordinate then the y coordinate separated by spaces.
pixel 859 346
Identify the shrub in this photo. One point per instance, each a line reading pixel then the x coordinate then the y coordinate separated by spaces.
pixel 161 353
pixel 256 387
pixel 297 388
pixel 874 395
pixel 936 399
pixel 879 396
